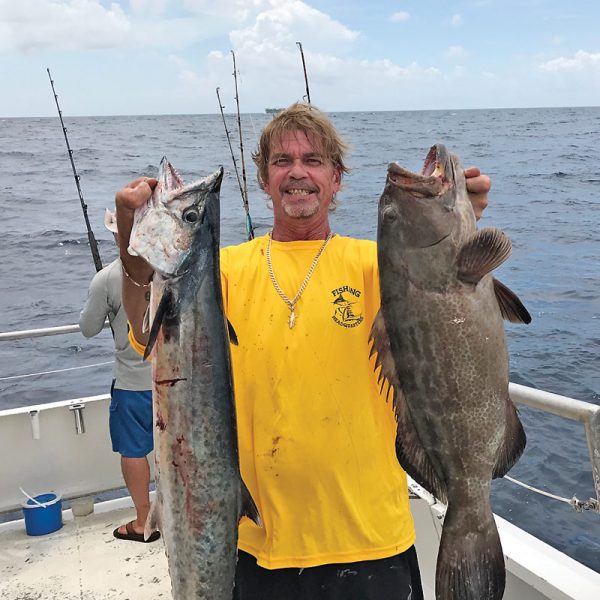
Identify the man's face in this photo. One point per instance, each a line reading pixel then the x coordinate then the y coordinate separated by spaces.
pixel 301 181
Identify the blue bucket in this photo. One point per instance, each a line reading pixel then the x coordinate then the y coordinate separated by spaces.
pixel 43 514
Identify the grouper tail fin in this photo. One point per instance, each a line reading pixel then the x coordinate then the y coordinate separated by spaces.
pixel 470 564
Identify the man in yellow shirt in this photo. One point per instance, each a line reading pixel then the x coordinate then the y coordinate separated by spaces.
pixel 316 435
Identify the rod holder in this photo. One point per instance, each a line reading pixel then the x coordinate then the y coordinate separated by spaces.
pixel 77 410
pixel 34 415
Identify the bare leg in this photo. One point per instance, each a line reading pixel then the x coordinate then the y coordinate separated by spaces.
pixel 136 472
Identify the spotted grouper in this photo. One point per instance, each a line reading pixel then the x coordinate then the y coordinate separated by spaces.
pixel 440 341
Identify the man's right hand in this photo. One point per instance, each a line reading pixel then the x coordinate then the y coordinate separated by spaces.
pixel 134 194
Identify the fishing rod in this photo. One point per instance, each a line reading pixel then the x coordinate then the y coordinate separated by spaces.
pixel 91 238
pixel 249 227
pixel 299 44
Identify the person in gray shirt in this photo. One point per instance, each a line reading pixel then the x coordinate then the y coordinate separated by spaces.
pixel 130 420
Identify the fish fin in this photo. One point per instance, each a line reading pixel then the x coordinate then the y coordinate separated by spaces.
pixel 513 443
pixel 152 520
pixel 482 253
pixel 470 563
pixel 409 449
pixel 384 361
pixel 232 334
pixel 163 308
pixel 511 307
pixel 249 508
pixel 412 455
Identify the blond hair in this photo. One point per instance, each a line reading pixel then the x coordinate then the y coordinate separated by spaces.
pixel 314 124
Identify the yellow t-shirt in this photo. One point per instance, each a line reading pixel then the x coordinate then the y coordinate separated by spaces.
pixel 316 436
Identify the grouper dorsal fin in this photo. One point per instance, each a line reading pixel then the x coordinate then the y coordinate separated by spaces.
pixel 409 448
pixel 511 307
pixel 482 253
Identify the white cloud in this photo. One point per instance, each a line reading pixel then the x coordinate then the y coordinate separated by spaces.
pixel 267 58
pixel 185 73
pixel 456 53
pixel 266 51
pixel 194 38
pixel 580 62
pixel 285 22
pixel 400 17
pixel 32 24
pixel 149 7
pixel 271 72
pixel 87 24
pixel 456 20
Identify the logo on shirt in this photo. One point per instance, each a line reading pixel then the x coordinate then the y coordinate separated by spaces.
pixel 344 306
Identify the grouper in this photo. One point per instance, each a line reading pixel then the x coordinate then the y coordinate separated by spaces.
pixel 200 493
pixel 440 344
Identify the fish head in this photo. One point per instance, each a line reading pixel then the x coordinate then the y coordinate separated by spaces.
pixel 420 210
pixel 167 230
pixel 425 217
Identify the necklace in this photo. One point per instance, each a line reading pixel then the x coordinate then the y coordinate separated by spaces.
pixel 292 303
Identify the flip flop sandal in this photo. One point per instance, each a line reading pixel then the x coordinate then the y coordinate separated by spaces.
pixel 133 536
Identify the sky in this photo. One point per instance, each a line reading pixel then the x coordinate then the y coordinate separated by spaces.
pixel 131 57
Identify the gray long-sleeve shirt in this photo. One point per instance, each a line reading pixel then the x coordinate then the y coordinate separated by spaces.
pixel 131 372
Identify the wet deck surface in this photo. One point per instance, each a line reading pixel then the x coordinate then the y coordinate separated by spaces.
pixel 82 561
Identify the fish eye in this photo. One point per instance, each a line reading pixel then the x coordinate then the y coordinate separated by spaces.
pixel 389 213
pixel 191 215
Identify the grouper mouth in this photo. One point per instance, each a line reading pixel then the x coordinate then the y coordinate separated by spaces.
pixel 435 178
pixel 419 207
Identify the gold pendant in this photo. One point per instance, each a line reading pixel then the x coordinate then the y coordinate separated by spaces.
pixel 292 319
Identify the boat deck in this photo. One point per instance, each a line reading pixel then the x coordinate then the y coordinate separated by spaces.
pixel 82 561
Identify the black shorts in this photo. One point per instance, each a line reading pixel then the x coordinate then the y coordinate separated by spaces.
pixel 394 578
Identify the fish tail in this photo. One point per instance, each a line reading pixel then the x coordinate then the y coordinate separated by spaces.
pixel 470 563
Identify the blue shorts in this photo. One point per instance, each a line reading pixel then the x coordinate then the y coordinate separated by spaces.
pixel 130 422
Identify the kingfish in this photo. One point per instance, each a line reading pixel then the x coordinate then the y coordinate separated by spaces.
pixel 200 493
pixel 440 344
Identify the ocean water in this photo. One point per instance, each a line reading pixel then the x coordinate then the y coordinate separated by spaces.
pixel 545 196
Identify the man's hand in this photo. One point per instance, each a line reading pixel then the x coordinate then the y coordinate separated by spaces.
pixel 134 194
pixel 127 199
pixel 135 291
pixel 478 186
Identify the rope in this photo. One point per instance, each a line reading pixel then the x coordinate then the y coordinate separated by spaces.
pixel 578 505
pixel 56 371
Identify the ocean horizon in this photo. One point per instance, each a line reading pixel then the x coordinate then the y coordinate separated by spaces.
pixel 328 111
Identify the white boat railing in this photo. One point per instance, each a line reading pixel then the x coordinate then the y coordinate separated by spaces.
pixel 584 412
pixel 577 410
pixel 33 333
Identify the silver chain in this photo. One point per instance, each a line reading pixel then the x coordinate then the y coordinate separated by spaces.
pixel 292 303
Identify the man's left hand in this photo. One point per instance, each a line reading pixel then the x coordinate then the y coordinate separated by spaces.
pixel 478 186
